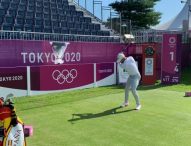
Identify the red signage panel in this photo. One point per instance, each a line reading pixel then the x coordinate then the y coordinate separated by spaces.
pixel 171 58
pixel 104 70
pixel 13 77
pixel 60 77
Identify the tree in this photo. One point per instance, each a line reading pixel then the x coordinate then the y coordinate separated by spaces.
pixel 137 14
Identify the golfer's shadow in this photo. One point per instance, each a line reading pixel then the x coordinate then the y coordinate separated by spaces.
pixel 76 117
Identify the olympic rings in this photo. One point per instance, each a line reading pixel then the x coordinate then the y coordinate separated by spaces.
pixel 149 62
pixel 64 76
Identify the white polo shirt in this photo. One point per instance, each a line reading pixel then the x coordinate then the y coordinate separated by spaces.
pixel 130 66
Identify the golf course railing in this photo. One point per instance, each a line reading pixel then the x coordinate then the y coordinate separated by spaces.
pixel 22 35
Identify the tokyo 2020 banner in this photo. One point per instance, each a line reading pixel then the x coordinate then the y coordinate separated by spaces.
pixel 14 77
pixel 33 53
pixel 171 58
pixel 31 67
pixel 59 77
pixel 62 77
pixel 22 81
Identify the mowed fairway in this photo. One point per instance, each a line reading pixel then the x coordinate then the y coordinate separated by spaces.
pixel 86 118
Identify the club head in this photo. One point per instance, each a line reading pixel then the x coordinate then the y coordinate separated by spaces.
pixel 9 98
pixel 10 95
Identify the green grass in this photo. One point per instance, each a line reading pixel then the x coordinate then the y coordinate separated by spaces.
pixel 85 117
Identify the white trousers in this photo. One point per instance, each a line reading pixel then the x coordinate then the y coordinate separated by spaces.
pixel 131 84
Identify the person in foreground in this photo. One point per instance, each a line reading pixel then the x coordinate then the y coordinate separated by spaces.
pixel 129 64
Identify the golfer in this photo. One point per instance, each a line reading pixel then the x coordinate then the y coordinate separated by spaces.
pixel 129 64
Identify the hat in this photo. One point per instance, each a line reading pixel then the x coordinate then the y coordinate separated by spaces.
pixel 120 56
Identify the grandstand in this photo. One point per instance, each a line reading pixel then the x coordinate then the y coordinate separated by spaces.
pixel 56 20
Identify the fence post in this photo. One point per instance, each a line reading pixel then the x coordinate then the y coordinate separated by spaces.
pixel 28 81
pixel 95 83
pixel 115 72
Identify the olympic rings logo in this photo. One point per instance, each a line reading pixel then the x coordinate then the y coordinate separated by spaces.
pixel 64 76
pixel 172 40
pixel 149 62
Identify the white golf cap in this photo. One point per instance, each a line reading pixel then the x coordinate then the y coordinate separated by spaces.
pixel 120 56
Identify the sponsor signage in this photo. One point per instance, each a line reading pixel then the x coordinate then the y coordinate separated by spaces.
pixel 15 77
pixel 34 53
pixel 22 81
pixel 15 136
pixel 171 58
pixel 60 77
pixel 149 67
pixel 104 70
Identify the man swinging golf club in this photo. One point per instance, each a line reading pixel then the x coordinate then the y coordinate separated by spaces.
pixel 129 64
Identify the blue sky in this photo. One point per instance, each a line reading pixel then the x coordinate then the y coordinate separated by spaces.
pixel 168 8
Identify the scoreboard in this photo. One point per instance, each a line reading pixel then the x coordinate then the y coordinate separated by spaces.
pixel 171 58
